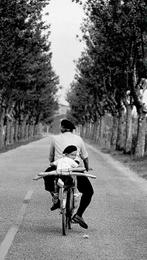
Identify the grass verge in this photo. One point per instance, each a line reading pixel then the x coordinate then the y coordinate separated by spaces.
pixel 139 166
pixel 22 142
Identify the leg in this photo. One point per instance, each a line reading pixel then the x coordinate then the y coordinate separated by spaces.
pixel 49 186
pixel 84 186
pixel 49 180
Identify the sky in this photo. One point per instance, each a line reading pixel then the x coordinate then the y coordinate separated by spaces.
pixel 65 18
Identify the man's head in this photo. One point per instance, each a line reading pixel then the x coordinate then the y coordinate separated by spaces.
pixel 70 151
pixel 67 126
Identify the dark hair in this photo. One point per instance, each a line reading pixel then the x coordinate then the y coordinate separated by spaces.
pixel 69 149
pixel 65 123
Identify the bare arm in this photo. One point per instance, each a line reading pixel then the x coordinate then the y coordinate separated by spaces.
pixel 84 154
pixel 86 163
pixel 51 151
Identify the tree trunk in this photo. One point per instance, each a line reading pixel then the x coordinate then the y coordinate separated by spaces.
pixel 95 129
pixel 101 130
pixel 87 130
pixel 2 135
pixel 82 130
pixel 23 129
pixel 128 136
pixel 120 132
pixel 140 142
pixel 27 132
pixel 31 130
pixel 92 131
pixel 8 132
pixel 16 131
pixel 12 133
pixel 114 132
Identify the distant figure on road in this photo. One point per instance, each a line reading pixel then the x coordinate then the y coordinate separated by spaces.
pixel 57 145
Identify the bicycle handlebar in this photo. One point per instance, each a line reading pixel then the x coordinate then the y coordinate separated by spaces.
pixel 71 172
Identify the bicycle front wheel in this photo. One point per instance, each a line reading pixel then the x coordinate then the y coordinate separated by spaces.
pixel 64 222
pixel 70 207
pixel 67 211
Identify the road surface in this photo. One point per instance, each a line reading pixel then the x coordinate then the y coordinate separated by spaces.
pixel 117 215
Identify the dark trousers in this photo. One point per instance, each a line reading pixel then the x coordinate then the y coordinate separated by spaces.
pixel 83 184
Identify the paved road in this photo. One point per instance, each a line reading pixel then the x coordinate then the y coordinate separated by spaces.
pixel 117 215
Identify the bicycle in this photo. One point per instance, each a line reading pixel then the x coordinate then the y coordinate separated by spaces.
pixel 66 193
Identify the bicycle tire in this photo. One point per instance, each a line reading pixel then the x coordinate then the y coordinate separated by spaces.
pixel 64 222
pixel 69 207
pixel 64 214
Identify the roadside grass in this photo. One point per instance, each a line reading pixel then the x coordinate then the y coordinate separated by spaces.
pixel 19 143
pixel 139 166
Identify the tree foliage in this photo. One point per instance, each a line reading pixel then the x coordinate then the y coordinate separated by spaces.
pixel 28 84
pixel 115 55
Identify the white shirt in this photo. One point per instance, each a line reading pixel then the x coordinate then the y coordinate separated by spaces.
pixel 65 163
pixel 59 142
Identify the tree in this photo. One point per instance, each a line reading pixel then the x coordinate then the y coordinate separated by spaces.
pixel 115 36
pixel 25 65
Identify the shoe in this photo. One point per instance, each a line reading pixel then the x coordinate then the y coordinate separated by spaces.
pixel 55 197
pixel 79 220
pixel 55 206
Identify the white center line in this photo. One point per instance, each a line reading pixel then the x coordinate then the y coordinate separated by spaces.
pixel 7 242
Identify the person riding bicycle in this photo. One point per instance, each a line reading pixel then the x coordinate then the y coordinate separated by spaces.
pixel 57 145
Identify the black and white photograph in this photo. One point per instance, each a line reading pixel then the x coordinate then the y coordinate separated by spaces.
pixel 73 130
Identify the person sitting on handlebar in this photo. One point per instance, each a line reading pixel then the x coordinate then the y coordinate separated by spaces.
pixel 68 161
